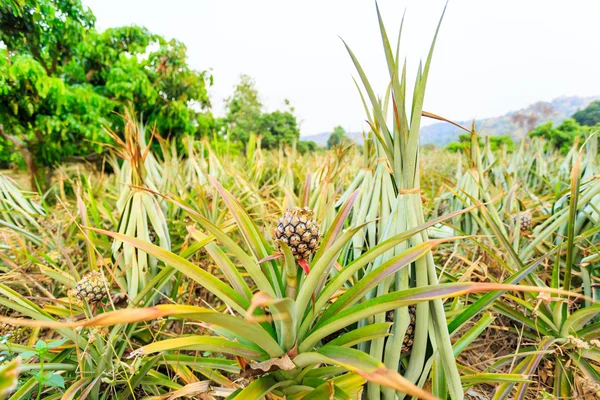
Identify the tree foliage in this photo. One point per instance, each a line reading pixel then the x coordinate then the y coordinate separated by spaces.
pixel 244 110
pixel 45 119
pixel 306 146
pixel 278 127
pixel 47 30
pixel 245 117
pixel 496 143
pixel 337 136
pixel 589 116
pixel 562 136
pixel 62 82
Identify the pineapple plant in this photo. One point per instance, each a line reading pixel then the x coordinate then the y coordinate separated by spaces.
pixel 141 212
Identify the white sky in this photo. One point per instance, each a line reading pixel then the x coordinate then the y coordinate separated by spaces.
pixel 492 56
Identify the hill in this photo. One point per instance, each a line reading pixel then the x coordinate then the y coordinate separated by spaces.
pixel 321 138
pixel 515 123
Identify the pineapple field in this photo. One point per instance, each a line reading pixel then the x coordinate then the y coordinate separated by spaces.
pixel 177 268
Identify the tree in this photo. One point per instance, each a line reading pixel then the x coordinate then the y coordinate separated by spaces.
pixel 40 116
pixel 496 143
pixel 278 127
pixel 244 110
pixel 47 30
pixel 500 141
pixel 62 82
pixel 337 136
pixel 159 84
pixel 245 117
pixel 306 146
pixel 561 137
pixel 589 116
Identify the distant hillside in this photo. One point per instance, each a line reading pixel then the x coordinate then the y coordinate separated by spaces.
pixel 515 123
pixel 321 138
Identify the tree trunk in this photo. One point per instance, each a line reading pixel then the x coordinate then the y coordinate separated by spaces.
pixel 34 169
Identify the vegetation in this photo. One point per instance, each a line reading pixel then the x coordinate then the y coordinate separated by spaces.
pixel 240 263
pixel 62 82
pixel 504 142
pixel 563 136
pixel 589 116
pixel 337 137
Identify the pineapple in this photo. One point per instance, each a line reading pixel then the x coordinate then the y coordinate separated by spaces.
pixel 525 223
pixel 13 334
pixel 92 288
pixel 409 336
pixel 53 255
pixel 300 231
pixel 152 235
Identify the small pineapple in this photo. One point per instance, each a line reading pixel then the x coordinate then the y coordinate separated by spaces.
pixel 152 235
pixel 53 255
pixel 300 231
pixel 13 334
pixel 525 223
pixel 442 208
pixel 92 287
pixel 409 336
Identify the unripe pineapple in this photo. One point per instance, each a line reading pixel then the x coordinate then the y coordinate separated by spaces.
pixel 525 223
pixel 409 336
pixel 300 231
pixel 152 235
pixel 13 334
pixel 92 287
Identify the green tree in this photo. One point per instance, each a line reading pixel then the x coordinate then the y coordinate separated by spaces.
pixel 41 116
pixel 46 120
pixel 497 142
pixel 337 136
pixel 159 84
pixel 306 146
pixel 245 117
pixel 561 137
pixel 47 30
pixel 61 82
pixel 464 142
pixel 244 110
pixel 589 116
pixel 278 127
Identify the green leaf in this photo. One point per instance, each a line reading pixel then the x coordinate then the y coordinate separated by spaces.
pixel 55 380
pixel 210 282
pixel 201 343
pixel 57 343
pixel 260 388
pixel 363 334
pixel 364 365
pixel 466 339
pixel 41 346
pixel 28 354
pixel 373 278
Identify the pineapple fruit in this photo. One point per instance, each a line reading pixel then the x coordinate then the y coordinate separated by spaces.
pixel 524 222
pixel 409 336
pixel 300 231
pixel 92 288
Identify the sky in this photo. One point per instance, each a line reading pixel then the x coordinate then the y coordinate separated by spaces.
pixel 492 56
